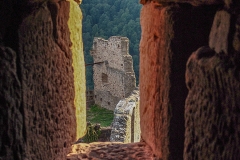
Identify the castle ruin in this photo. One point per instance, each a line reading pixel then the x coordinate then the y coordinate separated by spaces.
pixel 113 75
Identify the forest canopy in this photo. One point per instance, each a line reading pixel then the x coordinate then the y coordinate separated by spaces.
pixel 106 18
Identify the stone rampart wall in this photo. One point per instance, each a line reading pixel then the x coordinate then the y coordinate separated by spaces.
pixel 126 123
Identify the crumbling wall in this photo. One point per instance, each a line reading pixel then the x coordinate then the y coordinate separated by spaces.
pixel 37 90
pixel 126 122
pixel 114 78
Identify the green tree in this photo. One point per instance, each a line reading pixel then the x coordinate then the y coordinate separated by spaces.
pixel 107 18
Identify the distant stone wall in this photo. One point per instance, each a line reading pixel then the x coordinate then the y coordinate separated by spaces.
pixel 126 123
pixel 114 79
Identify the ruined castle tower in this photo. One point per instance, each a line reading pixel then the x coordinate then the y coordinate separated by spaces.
pixel 114 77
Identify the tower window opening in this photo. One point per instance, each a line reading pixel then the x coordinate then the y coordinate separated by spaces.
pixel 104 78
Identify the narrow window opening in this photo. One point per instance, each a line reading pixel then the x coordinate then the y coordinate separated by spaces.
pixel 104 78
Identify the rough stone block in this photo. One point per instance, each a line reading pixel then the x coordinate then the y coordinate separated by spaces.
pixel 212 110
pixel 169 35
pixel 193 2
pixel 37 90
pixel 11 110
pixel 218 39
pixel 47 83
pixel 236 37
pixel 111 150
pixel 76 46
pixel 231 5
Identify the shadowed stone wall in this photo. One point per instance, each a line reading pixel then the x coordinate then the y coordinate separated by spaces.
pixel 212 110
pixel 171 31
pixel 37 90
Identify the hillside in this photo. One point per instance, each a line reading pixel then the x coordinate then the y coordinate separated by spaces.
pixel 106 18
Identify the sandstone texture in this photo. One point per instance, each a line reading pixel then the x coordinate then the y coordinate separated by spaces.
pixel 213 102
pixel 37 89
pixel 227 3
pixel 42 86
pixel 218 39
pixel 192 2
pixel 45 86
pixel 76 46
pixel 236 37
pixel 169 35
pixel 11 111
pixel 113 74
pixel 111 150
pixel 213 106
pixel 126 122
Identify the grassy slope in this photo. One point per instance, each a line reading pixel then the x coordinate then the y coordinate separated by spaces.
pixel 100 115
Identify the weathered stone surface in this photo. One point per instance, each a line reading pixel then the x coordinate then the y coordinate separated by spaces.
pixel 236 37
pixel 113 73
pixel 212 110
pixel 192 2
pixel 169 36
pixel 47 83
pixel 219 35
pixel 230 4
pixel 11 111
pixel 111 150
pixel 76 46
pixel 126 122
pixel 37 89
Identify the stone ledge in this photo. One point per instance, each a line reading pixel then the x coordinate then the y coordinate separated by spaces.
pixel 111 150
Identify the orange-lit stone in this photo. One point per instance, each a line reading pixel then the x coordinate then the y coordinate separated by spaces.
pixel 169 35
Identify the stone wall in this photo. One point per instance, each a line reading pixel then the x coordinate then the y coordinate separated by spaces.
pixel 212 110
pixel 114 79
pixel 42 72
pixel 39 99
pixel 171 31
pixel 126 123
